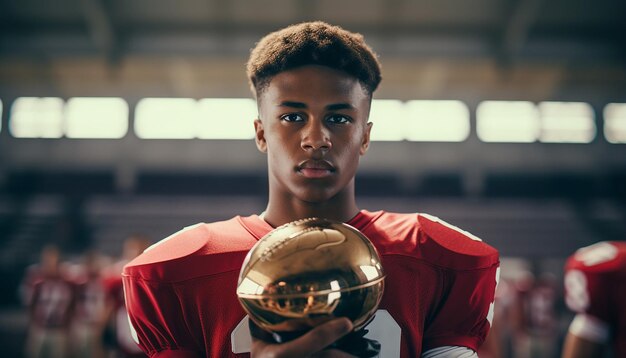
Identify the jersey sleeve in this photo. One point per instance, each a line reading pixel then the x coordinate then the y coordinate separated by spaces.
pixel 468 273
pixel 464 315
pixel 157 321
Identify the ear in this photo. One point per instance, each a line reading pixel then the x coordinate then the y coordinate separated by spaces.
pixel 259 137
pixel 366 138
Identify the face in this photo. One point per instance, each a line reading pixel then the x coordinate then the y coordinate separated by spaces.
pixel 313 127
pixel 50 258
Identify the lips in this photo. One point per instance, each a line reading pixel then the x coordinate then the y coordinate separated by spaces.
pixel 315 169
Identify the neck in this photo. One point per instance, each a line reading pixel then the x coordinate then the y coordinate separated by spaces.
pixel 285 207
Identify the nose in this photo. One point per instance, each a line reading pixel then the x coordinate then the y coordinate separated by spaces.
pixel 315 136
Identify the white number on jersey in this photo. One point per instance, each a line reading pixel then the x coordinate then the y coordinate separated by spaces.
pixel 576 293
pixel 492 305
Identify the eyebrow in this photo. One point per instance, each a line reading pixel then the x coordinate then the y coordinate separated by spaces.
pixel 330 107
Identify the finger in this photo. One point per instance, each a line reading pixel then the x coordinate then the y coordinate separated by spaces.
pixel 317 339
pixel 257 332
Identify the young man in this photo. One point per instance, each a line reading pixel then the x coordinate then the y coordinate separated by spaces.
pixel 595 288
pixel 314 83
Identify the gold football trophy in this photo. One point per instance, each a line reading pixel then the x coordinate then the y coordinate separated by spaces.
pixel 308 272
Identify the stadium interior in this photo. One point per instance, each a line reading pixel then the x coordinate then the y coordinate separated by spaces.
pixel 506 118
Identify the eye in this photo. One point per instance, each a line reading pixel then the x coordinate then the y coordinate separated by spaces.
pixel 338 119
pixel 292 117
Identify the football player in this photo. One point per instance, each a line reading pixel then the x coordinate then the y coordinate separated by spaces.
pixel 50 299
pixel 595 288
pixel 89 310
pixel 313 83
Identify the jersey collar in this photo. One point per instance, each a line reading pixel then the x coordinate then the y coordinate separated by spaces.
pixel 258 227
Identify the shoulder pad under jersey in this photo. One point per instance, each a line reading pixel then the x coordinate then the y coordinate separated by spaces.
pixel 601 257
pixel 447 245
pixel 198 250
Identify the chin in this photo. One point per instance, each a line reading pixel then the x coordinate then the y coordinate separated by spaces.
pixel 316 196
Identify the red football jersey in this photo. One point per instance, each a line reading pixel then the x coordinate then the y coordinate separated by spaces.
pixel 439 288
pixel 90 300
pixel 595 284
pixel 52 302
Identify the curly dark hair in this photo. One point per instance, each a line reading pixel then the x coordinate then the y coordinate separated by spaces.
pixel 312 43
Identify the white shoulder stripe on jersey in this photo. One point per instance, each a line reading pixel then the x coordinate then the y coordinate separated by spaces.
pixel 437 220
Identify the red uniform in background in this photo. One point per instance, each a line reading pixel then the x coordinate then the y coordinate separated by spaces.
pixel 90 310
pixel 90 300
pixel 51 305
pixel 52 302
pixel 439 289
pixel 50 296
pixel 595 288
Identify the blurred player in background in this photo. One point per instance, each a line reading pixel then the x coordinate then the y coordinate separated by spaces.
pixel 595 288
pixel 533 317
pixel 49 296
pixel 543 316
pixel 89 317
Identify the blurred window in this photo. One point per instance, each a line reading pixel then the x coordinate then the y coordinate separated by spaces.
pixel 507 121
pixel 437 121
pixel 389 118
pixel 226 118
pixel 166 118
pixel 566 122
pixel 615 122
pixel 35 117
pixel 96 117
